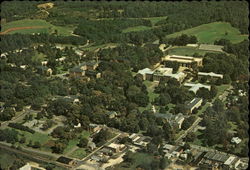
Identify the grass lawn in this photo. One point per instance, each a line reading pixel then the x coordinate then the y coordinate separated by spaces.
pixel 208 33
pixel 136 28
pixel 79 153
pixel 6 160
pixel 154 20
pixel 188 51
pixel 72 143
pixel 36 137
pixel 47 27
pixel 94 47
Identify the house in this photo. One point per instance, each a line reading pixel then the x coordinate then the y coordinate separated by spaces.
pixel 236 140
pixel 61 59
pixel 139 140
pixel 44 63
pixel 167 148
pixel 210 75
pixel 184 61
pixel 23 67
pixel 46 5
pixel 112 114
pixel 193 104
pixel 78 125
pixel 94 127
pixel 179 118
pixel 183 156
pixel 195 87
pixel 91 144
pixel 116 147
pixel 76 72
pixel 66 160
pixel 93 74
pixel 44 70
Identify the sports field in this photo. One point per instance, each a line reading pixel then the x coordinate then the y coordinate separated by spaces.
pixel 188 51
pixel 208 33
pixel 28 26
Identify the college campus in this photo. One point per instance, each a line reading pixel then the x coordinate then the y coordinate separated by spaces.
pixel 116 85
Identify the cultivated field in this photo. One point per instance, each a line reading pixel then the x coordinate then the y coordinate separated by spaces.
pixel 208 33
pixel 28 26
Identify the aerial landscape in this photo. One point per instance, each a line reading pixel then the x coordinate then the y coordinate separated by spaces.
pixel 124 85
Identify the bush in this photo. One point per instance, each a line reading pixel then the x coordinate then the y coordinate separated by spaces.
pixel 21 127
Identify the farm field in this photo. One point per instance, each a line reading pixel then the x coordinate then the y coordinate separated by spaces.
pixel 208 33
pixel 40 26
pixel 188 51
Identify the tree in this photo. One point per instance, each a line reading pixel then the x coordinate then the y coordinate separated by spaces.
pixel 83 142
pixel 37 145
pixel 22 140
pixel 7 114
pixel 163 163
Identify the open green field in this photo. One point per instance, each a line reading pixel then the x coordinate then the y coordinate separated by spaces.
pixel 137 28
pixel 208 33
pixel 154 20
pixel 188 51
pixel 6 160
pixel 46 27
pixel 79 153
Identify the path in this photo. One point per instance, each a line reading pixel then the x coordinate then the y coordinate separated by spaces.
pixel 19 28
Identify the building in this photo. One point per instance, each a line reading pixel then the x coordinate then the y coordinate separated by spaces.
pixel 31 166
pixel 195 87
pixel 94 128
pixel 46 5
pixel 139 140
pixel 146 74
pixel 236 140
pixel 116 147
pixel 85 69
pixel 210 75
pixel 112 114
pixel 179 118
pixel 66 160
pixel 184 61
pixel 194 104
pixel 161 73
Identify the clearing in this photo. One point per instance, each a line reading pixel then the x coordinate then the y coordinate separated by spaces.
pixel 208 33
pixel 28 26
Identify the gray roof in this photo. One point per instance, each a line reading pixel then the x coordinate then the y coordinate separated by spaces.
pixel 216 156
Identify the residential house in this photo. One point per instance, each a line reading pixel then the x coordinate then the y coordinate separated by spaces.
pixel 94 128
pixel 194 104
pixel 112 114
pixel 236 140
pixel 116 147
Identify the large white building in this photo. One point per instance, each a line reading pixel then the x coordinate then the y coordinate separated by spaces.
pixel 184 61
pixel 195 87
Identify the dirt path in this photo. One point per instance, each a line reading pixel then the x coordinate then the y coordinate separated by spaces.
pixel 19 28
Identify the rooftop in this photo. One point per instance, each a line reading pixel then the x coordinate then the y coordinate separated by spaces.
pixel 212 74
pixel 146 71
pixel 196 87
pixel 193 102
